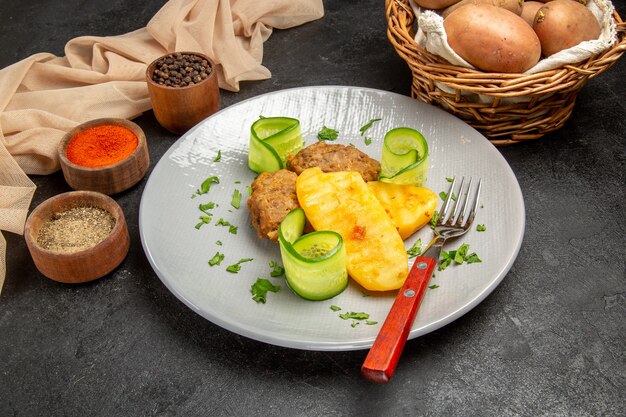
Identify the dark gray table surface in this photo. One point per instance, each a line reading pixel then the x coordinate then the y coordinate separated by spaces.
pixel 550 340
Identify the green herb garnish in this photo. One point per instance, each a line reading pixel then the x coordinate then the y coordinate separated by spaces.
pixel 327 134
pixel 481 227
pixel 206 185
pixel 236 200
pixel 237 267
pixel 218 156
pixel 416 249
pixel 231 228
pixel 367 125
pixel 458 256
pixel 277 270
pixel 472 258
pixel 216 259
pixel 260 288
pixel 443 195
pixel 356 316
pixel 207 206
pixel 434 219
pixel 368 141
pixel 432 287
pixel 335 308
pixel 204 220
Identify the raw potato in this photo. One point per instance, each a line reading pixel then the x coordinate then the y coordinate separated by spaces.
pixel 561 24
pixel 341 201
pixel 530 11
pixel 435 4
pixel 409 207
pixel 492 38
pixel 514 6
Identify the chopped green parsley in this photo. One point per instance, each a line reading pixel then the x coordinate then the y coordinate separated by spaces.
pixel 237 267
pixel 368 125
pixel 260 288
pixel 236 200
pixel 434 219
pixel 443 195
pixel 206 185
pixel 277 270
pixel 231 228
pixel 356 316
pixel 327 134
pixel 416 249
pixel 458 256
pixel 216 259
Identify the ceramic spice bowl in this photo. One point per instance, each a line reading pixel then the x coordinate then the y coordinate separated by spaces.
pixel 78 236
pixel 107 155
pixel 183 89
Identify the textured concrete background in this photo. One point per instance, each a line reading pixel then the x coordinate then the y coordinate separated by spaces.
pixel 550 340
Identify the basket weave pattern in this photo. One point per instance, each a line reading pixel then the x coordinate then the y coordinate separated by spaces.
pixel 514 107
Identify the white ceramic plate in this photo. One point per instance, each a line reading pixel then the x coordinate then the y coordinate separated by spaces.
pixel 179 253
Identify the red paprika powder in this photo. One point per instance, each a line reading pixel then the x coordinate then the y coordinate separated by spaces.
pixel 100 146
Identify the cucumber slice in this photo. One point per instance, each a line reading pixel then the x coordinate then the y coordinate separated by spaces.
pixel 315 263
pixel 271 140
pixel 404 158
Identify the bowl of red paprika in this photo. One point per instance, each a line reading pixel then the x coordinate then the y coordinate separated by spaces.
pixel 107 155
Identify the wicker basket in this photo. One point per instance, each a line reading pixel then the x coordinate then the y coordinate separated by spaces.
pixel 549 96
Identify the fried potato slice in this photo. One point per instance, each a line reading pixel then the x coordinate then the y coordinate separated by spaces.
pixel 341 201
pixel 409 207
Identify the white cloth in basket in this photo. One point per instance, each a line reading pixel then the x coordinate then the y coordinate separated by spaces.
pixel 431 36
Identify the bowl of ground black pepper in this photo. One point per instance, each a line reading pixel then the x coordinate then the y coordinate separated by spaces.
pixel 107 155
pixel 183 90
pixel 78 236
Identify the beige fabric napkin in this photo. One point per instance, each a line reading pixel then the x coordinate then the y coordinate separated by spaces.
pixel 44 96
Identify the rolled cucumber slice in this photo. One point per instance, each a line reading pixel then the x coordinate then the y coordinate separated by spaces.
pixel 404 157
pixel 315 263
pixel 271 140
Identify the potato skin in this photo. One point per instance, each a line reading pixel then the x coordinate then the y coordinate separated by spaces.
pixel 435 4
pixel 530 11
pixel 516 6
pixel 561 24
pixel 492 39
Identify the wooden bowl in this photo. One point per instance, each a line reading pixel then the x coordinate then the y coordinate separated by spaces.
pixel 110 179
pixel 180 108
pixel 85 265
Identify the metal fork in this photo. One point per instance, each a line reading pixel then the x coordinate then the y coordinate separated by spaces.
pixel 454 220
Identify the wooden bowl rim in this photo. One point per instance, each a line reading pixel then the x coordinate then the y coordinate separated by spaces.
pixel 133 127
pixel 73 197
pixel 151 66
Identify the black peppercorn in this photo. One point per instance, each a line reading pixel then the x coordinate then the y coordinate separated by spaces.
pixel 181 70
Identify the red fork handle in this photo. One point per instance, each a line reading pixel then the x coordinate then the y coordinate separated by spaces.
pixel 383 357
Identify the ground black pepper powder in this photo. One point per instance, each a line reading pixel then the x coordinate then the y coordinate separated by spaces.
pixel 76 229
pixel 181 70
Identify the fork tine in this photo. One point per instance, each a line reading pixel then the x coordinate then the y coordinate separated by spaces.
pixel 462 200
pixel 459 207
pixel 446 204
pixel 472 213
